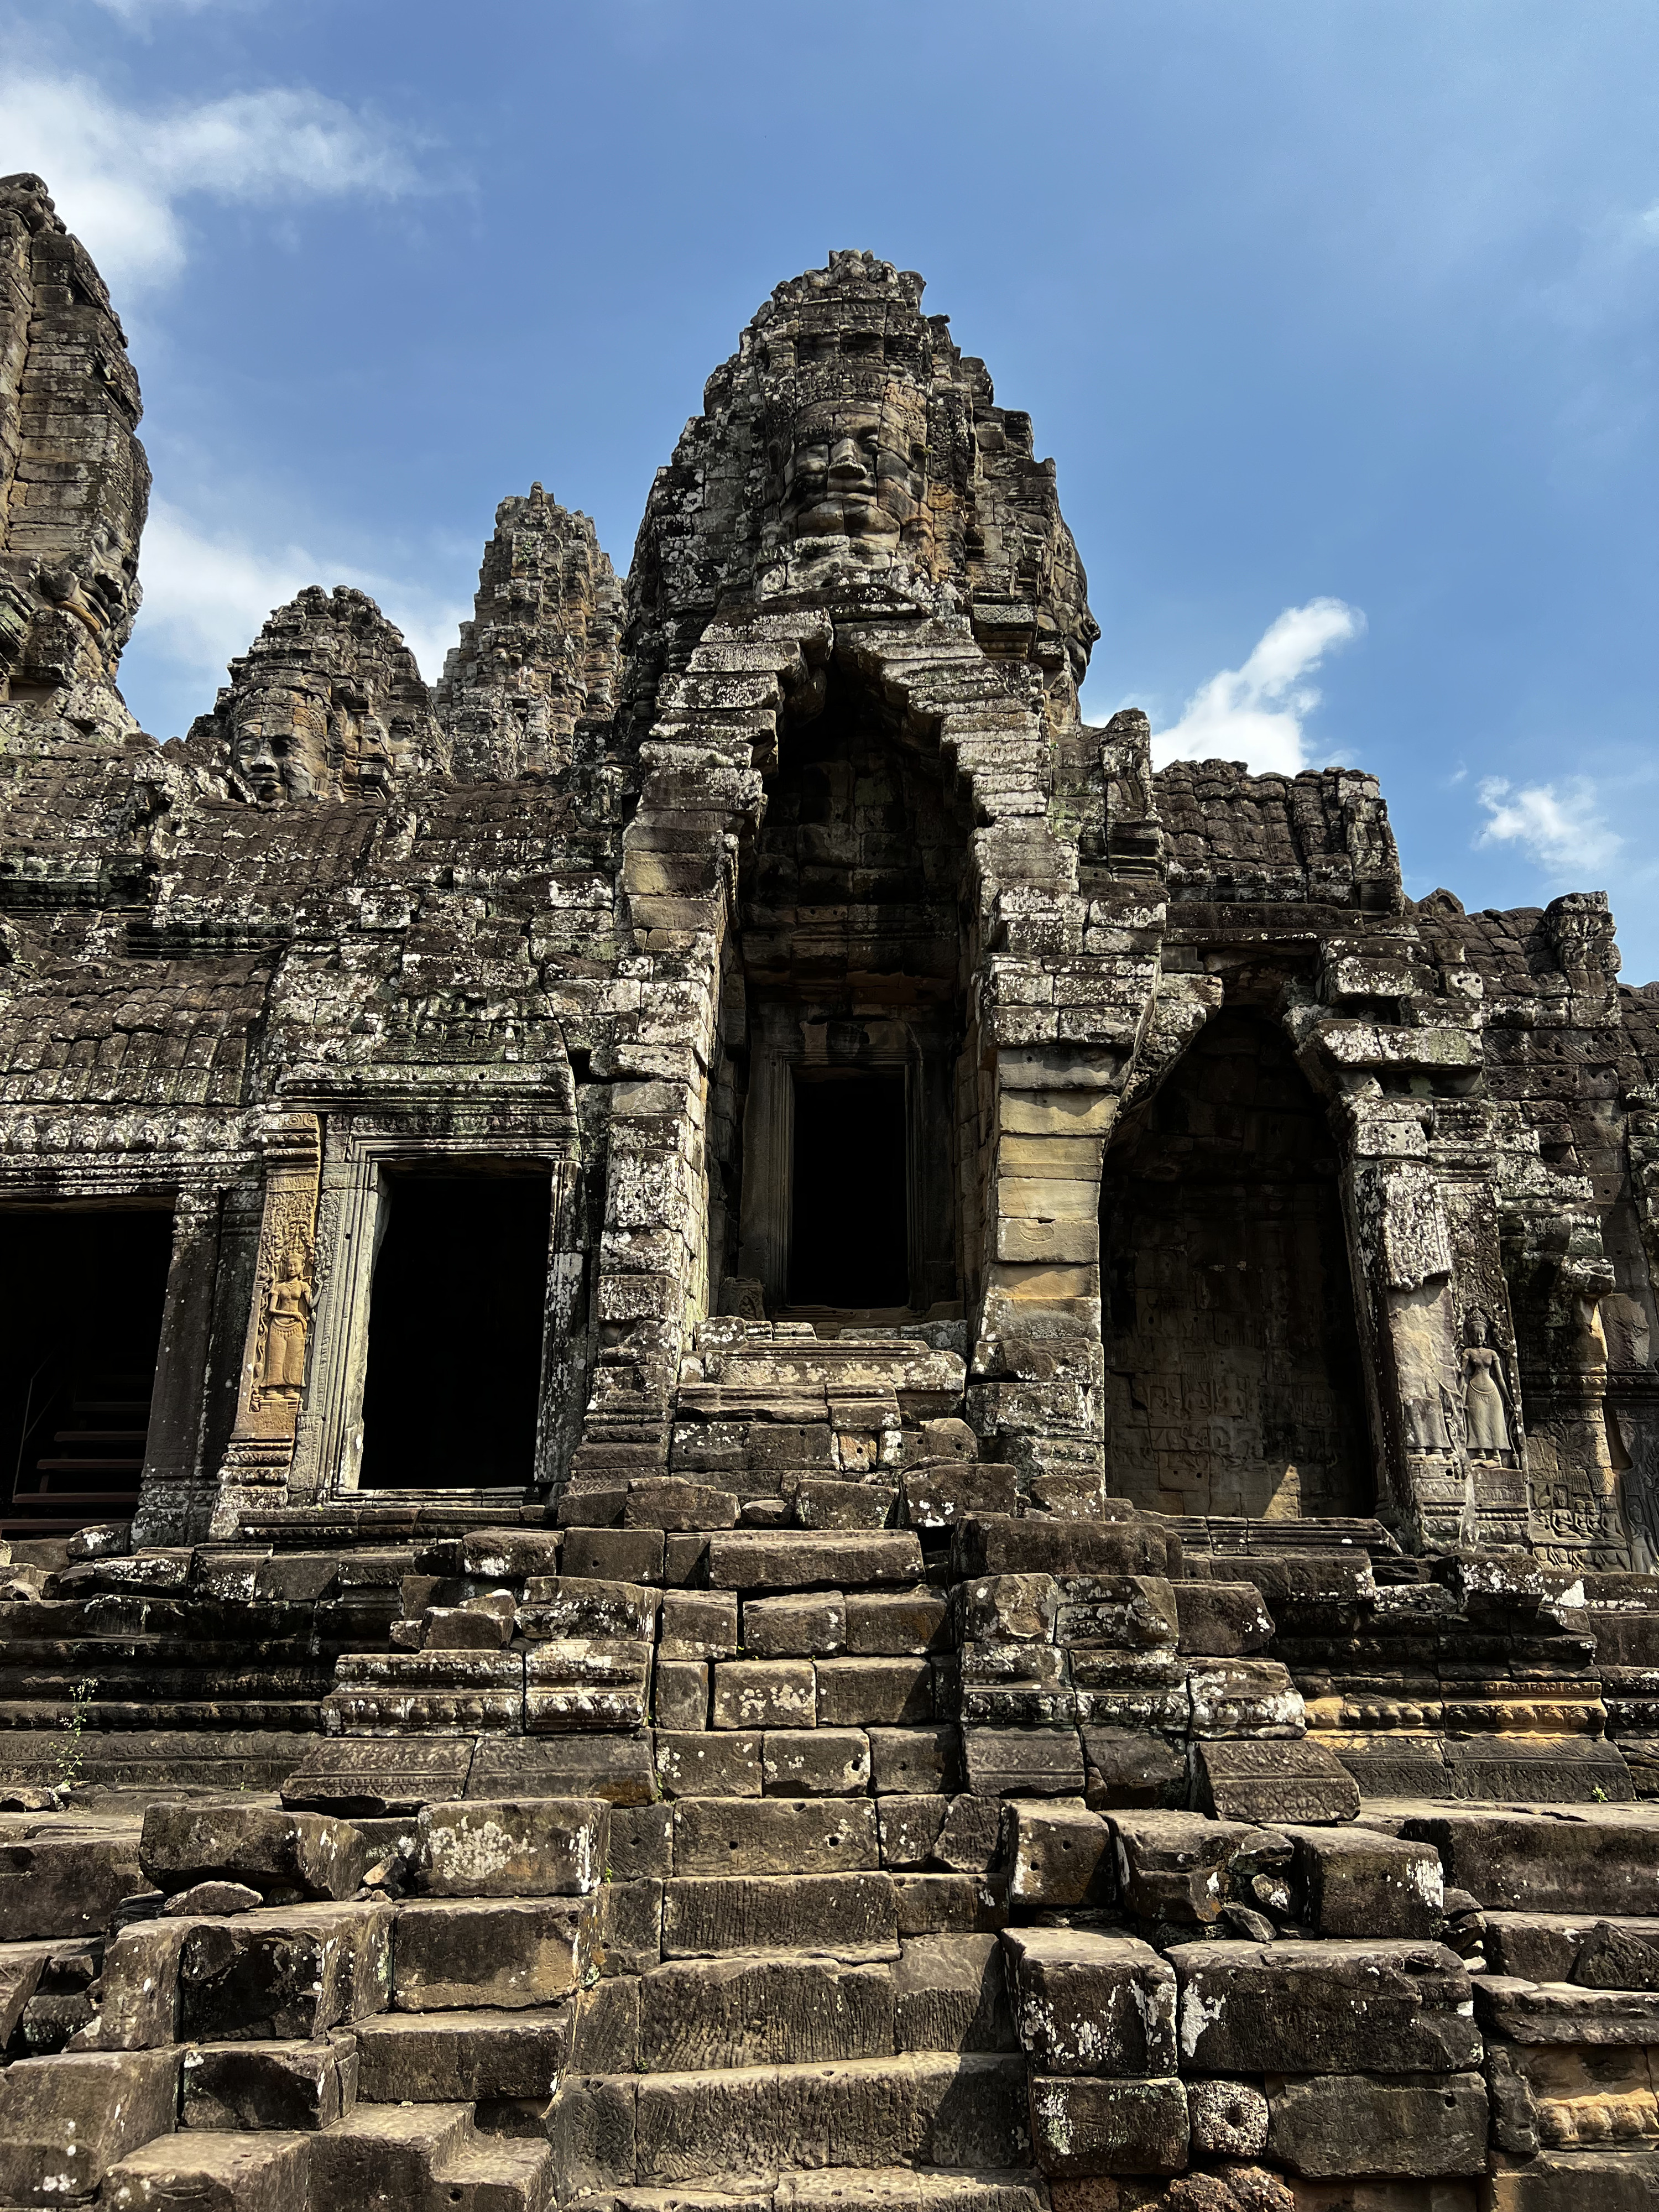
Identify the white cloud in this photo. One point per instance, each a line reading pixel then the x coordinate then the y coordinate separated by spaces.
pixel 118 175
pixel 1560 827
pixel 205 598
pixel 140 11
pixel 1254 713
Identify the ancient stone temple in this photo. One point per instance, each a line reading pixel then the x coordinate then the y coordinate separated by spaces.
pixel 771 1438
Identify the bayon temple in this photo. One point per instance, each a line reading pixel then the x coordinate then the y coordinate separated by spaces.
pixel 771 1437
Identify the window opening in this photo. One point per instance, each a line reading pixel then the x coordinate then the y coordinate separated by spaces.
pixel 80 1303
pixel 850 1240
pixel 455 1325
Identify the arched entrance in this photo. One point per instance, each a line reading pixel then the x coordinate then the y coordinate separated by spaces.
pixel 1233 1375
pixel 834 1161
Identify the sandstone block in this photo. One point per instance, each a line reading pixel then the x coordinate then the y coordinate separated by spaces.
pixel 1221 1620
pixel 764 1693
pixel 948 1904
pixel 454 1955
pixel 456 2057
pixel 1175 1866
pixel 775 1836
pixel 1062 1857
pixel 708 1762
pixel 898 1624
pixel 810 1625
pixel 698 2013
pixel 1081 2125
pixel 800 1560
pixel 301 2085
pixel 1336 2125
pixel 680 1694
pixel 1017 1762
pixel 1273 1780
pixel 874 1693
pixel 847 1915
pixel 950 1993
pixel 1324 2008
pixel 698 1625
pixel 821 1762
pixel 67 2120
pixel 212 2171
pixel 941 1493
pixel 1085 2003
pixel 586 1683
pixel 1359 1882
pixel 571 1607
pixel 1007 1608
pixel 528 1847
pixel 915 1760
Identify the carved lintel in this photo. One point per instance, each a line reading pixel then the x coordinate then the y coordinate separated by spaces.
pixel 274 1357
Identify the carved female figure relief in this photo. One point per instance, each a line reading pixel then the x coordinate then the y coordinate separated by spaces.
pixel 288 1311
pixel 1485 1395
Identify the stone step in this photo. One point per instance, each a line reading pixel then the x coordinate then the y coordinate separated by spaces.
pixel 944 1993
pixel 751 2123
pixel 775 1836
pixel 204 2170
pixel 848 1915
pixel 854 2189
pixel 763 1559
pixel 383 2158
pixel 1593 1950
pixel 66 2121
pixel 302 1716
pixel 494 2174
pixel 1564 1858
pixel 446 2057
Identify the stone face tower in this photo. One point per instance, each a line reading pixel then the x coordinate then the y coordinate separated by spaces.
pixel 770 1438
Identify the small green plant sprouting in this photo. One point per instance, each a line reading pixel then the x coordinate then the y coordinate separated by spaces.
pixel 1598 1795
pixel 71 1754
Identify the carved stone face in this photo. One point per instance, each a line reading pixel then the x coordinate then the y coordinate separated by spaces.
pixel 279 742
pixel 854 471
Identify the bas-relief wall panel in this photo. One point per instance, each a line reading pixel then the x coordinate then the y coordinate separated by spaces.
pixel 1232 1362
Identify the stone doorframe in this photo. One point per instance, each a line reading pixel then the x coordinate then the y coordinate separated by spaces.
pixel 924 1052
pixel 317 1459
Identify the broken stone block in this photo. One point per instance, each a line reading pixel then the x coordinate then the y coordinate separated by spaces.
pixel 764 1693
pixel 971 1839
pixel 65 2121
pixel 1019 1762
pixel 796 1627
pixel 950 1993
pixel 820 1762
pixel 21 1966
pixel 453 1955
pixel 269 1848
pixel 492 1555
pixel 234 2086
pixel 573 1609
pixel 706 1763
pixel 210 2170
pixel 1085 2003
pixel 1127 1767
pixel 284 1973
pixel 529 1847
pixel 909 1829
pixel 1131 1613
pixel 475 1627
pixel 1245 1697
pixel 698 1625
pixel 138 1998
pixel 1175 1866
pixel 775 1835
pixel 848 1914
pixel 1359 1882
pixel 680 1694
pixel 1062 1857
pixel 1007 1608
pixel 1272 1781
pixel 1326 2007
pixel 1081 2125
pixel 1229 2119
pixel 1221 1620
pixel 874 1693
pixel 1336 2125
pixel 212 1900
pixel 582 1684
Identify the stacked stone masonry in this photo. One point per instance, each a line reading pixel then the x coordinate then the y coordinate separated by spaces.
pixel 775 1440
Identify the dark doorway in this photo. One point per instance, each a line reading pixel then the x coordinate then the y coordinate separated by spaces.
pixel 849 1245
pixel 455 1325
pixel 1232 1356
pixel 81 1300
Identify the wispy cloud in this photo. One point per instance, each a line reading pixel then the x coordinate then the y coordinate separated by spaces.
pixel 205 598
pixel 120 174
pixel 1560 826
pixel 1255 713
pixel 140 11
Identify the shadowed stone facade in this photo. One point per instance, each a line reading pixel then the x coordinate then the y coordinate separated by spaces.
pixel 890 1460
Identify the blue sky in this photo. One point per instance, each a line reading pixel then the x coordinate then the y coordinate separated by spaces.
pixel 1337 319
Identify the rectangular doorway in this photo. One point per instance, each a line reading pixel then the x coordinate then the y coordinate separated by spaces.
pixel 456 1320
pixel 849 1241
pixel 82 1293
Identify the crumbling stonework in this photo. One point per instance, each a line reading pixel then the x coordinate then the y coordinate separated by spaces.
pixel 774 1437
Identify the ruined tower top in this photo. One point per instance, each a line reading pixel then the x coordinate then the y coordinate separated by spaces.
pixel 849 450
